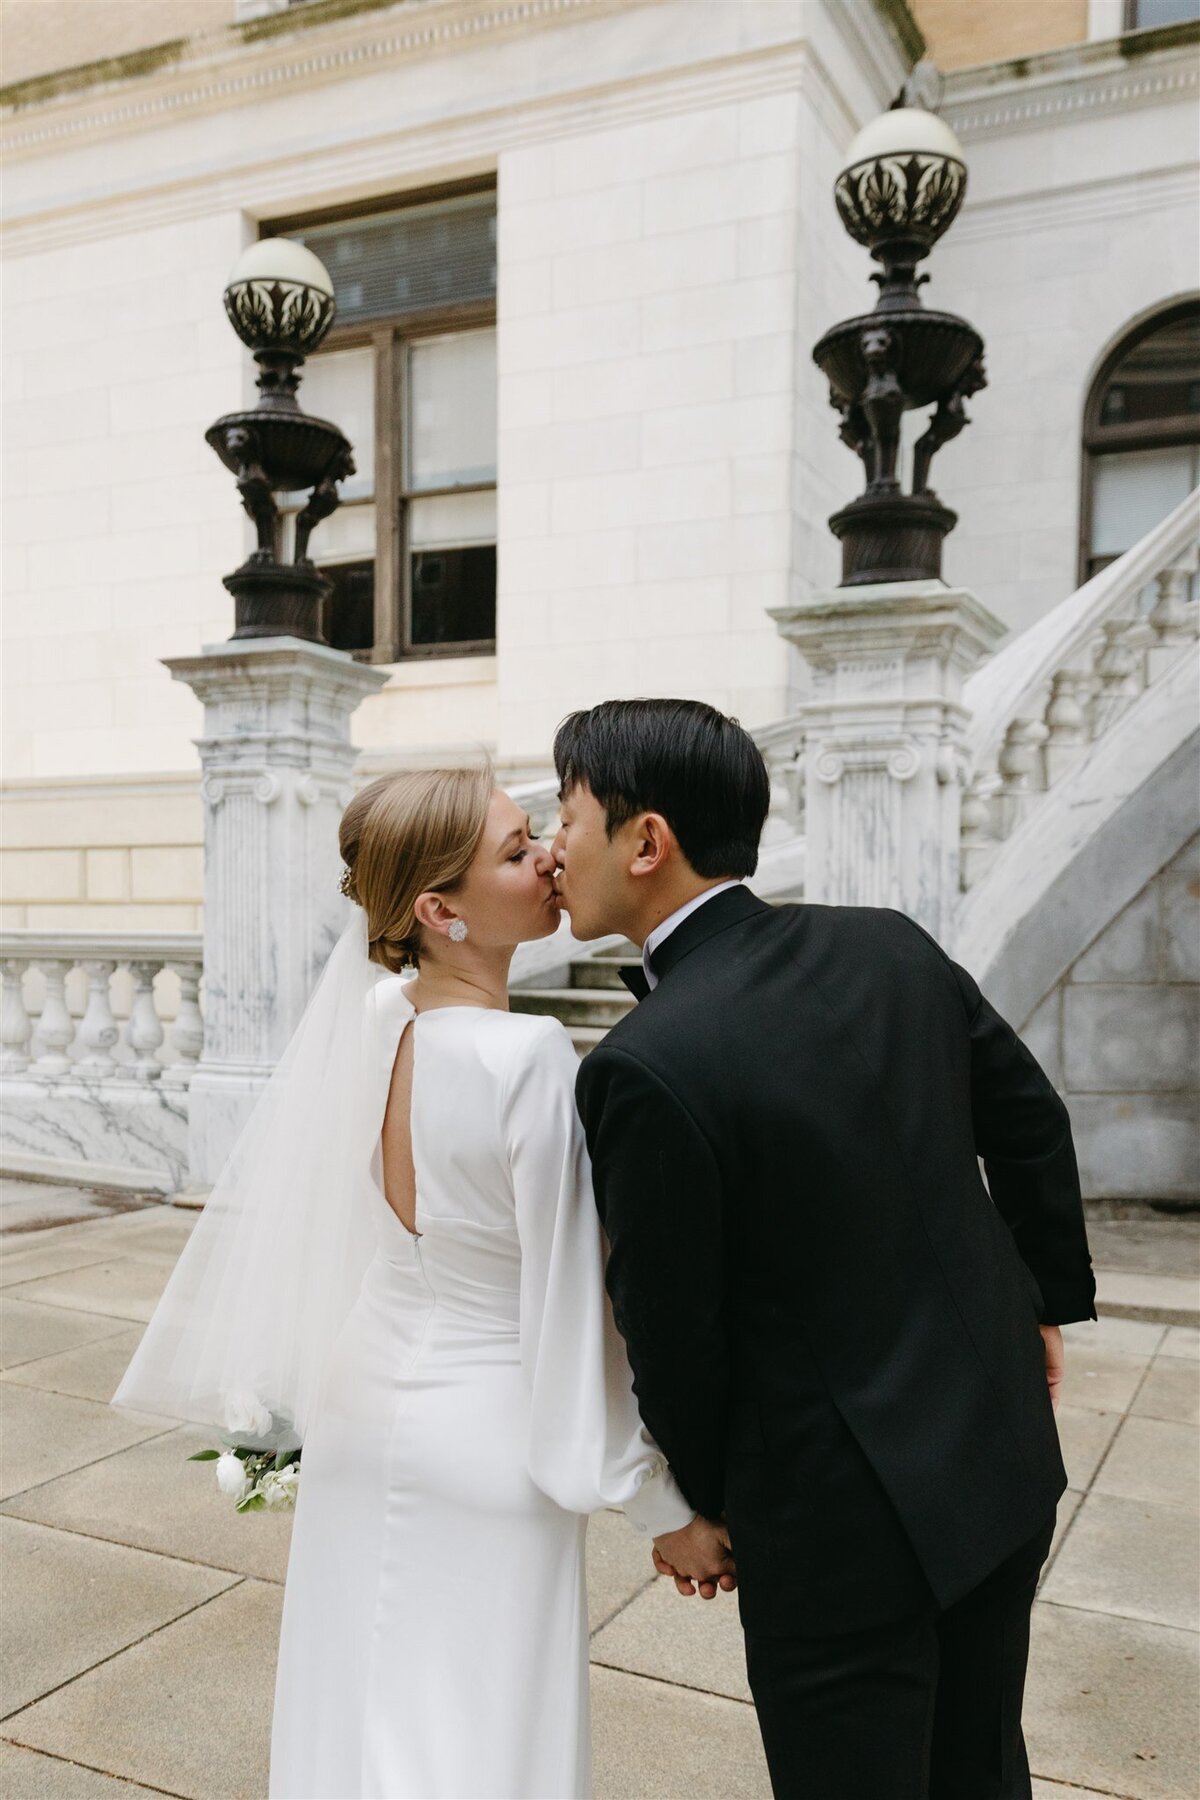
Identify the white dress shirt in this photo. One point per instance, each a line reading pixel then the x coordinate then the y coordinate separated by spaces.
pixel 662 932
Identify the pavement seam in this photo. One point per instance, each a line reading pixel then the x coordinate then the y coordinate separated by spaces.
pixel 97 1537
pixel 1079 1787
pixel 681 1687
pixel 83 1344
pixel 1106 1612
pixel 91 1668
pixel 91 1464
pixel 94 1262
pixel 620 1607
pixel 92 1768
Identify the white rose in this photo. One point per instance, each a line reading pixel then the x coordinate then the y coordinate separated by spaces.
pixel 246 1413
pixel 231 1476
pixel 279 1488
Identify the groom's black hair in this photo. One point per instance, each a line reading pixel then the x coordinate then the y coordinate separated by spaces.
pixel 701 770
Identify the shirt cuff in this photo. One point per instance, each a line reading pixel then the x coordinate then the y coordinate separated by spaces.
pixel 658 1506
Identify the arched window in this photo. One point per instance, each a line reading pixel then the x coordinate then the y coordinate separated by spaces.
pixel 1141 434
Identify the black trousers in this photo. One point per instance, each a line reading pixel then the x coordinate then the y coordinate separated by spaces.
pixel 922 1708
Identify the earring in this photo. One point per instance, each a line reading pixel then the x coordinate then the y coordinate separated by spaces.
pixel 458 930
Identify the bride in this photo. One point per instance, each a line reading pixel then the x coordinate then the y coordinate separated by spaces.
pixel 401 1269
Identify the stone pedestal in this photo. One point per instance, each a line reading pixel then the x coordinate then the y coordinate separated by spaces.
pixel 276 762
pixel 883 741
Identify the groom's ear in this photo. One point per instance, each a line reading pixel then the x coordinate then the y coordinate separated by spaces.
pixel 652 842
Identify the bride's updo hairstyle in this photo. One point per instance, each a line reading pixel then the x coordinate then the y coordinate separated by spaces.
pixel 406 835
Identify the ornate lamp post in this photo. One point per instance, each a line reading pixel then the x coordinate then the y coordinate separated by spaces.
pixel 902 185
pixel 276 755
pixel 890 648
pixel 280 302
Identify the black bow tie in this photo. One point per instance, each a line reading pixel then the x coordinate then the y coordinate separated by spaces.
pixel 634 978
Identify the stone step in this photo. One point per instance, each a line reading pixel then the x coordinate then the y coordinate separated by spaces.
pixel 602 971
pixel 586 1037
pixel 1156 1299
pixel 574 1005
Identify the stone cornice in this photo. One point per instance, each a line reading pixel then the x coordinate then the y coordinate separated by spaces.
pixel 1083 81
pixel 222 69
pixel 1050 209
pixel 469 143
pixel 152 784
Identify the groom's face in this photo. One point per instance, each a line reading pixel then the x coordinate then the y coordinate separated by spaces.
pixel 594 879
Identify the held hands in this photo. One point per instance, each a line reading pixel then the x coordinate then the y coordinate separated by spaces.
pixel 699 1554
pixel 1056 1362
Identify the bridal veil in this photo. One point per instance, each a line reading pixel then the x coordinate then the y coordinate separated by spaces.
pixel 241 1336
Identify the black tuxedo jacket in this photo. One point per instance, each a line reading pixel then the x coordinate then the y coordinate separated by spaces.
pixel 832 1325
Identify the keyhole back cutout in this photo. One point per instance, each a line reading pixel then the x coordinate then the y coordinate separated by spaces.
pixel 396 1150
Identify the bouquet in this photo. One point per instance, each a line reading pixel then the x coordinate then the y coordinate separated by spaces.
pixel 254 1475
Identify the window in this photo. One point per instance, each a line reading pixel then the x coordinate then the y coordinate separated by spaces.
pixel 1144 15
pixel 1141 434
pixel 409 373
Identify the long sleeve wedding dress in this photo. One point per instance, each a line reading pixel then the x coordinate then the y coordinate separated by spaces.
pixel 476 1406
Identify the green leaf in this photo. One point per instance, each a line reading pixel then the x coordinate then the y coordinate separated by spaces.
pixel 205 1456
pixel 252 1503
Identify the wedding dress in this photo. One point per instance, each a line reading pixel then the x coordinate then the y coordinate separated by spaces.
pixel 476 1404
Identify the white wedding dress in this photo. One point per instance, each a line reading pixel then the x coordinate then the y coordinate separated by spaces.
pixel 476 1406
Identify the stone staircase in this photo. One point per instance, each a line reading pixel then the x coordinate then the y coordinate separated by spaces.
pixel 594 1000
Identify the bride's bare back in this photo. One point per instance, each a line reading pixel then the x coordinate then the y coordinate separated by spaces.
pixel 399 1173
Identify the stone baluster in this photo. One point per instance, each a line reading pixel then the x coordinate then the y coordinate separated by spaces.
pixel 16 1027
pixel 1020 771
pixel 144 1033
pixel 187 1034
pixel 978 844
pixel 98 1030
pixel 785 770
pixel 56 1027
pixel 1120 669
pixel 1067 721
pixel 1174 620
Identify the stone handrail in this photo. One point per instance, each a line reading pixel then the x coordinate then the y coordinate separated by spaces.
pixel 1053 690
pixel 88 1045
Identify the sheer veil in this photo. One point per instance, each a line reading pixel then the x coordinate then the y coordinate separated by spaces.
pixel 240 1339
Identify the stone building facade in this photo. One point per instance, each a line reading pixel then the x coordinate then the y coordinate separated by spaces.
pixel 593 450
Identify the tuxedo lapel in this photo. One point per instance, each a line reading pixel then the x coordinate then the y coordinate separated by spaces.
pixel 635 980
pixel 716 915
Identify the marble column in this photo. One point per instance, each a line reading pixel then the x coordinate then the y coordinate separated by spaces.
pixel 884 761
pixel 276 762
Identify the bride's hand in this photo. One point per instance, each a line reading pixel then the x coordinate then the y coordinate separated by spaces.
pixel 699 1555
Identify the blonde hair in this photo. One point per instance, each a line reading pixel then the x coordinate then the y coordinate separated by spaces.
pixel 405 835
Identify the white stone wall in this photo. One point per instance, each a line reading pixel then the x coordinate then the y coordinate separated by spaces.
pixel 1120 1037
pixel 117 515
pixel 668 254
pixel 1081 217
pixel 646 358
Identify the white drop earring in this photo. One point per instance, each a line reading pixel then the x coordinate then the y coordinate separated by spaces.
pixel 458 930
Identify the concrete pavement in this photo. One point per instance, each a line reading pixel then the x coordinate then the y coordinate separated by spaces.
pixel 139 1612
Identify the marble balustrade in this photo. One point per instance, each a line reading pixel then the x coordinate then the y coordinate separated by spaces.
pixel 1052 693
pixel 100 1034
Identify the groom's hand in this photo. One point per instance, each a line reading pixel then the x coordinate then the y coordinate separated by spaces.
pixel 1056 1361
pixel 699 1554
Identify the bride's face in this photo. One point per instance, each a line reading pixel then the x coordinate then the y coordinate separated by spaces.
pixel 508 894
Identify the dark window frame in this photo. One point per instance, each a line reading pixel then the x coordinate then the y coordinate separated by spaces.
pixel 1138 434
pixel 391 338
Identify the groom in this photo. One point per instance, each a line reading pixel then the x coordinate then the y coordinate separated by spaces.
pixel 847 1350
